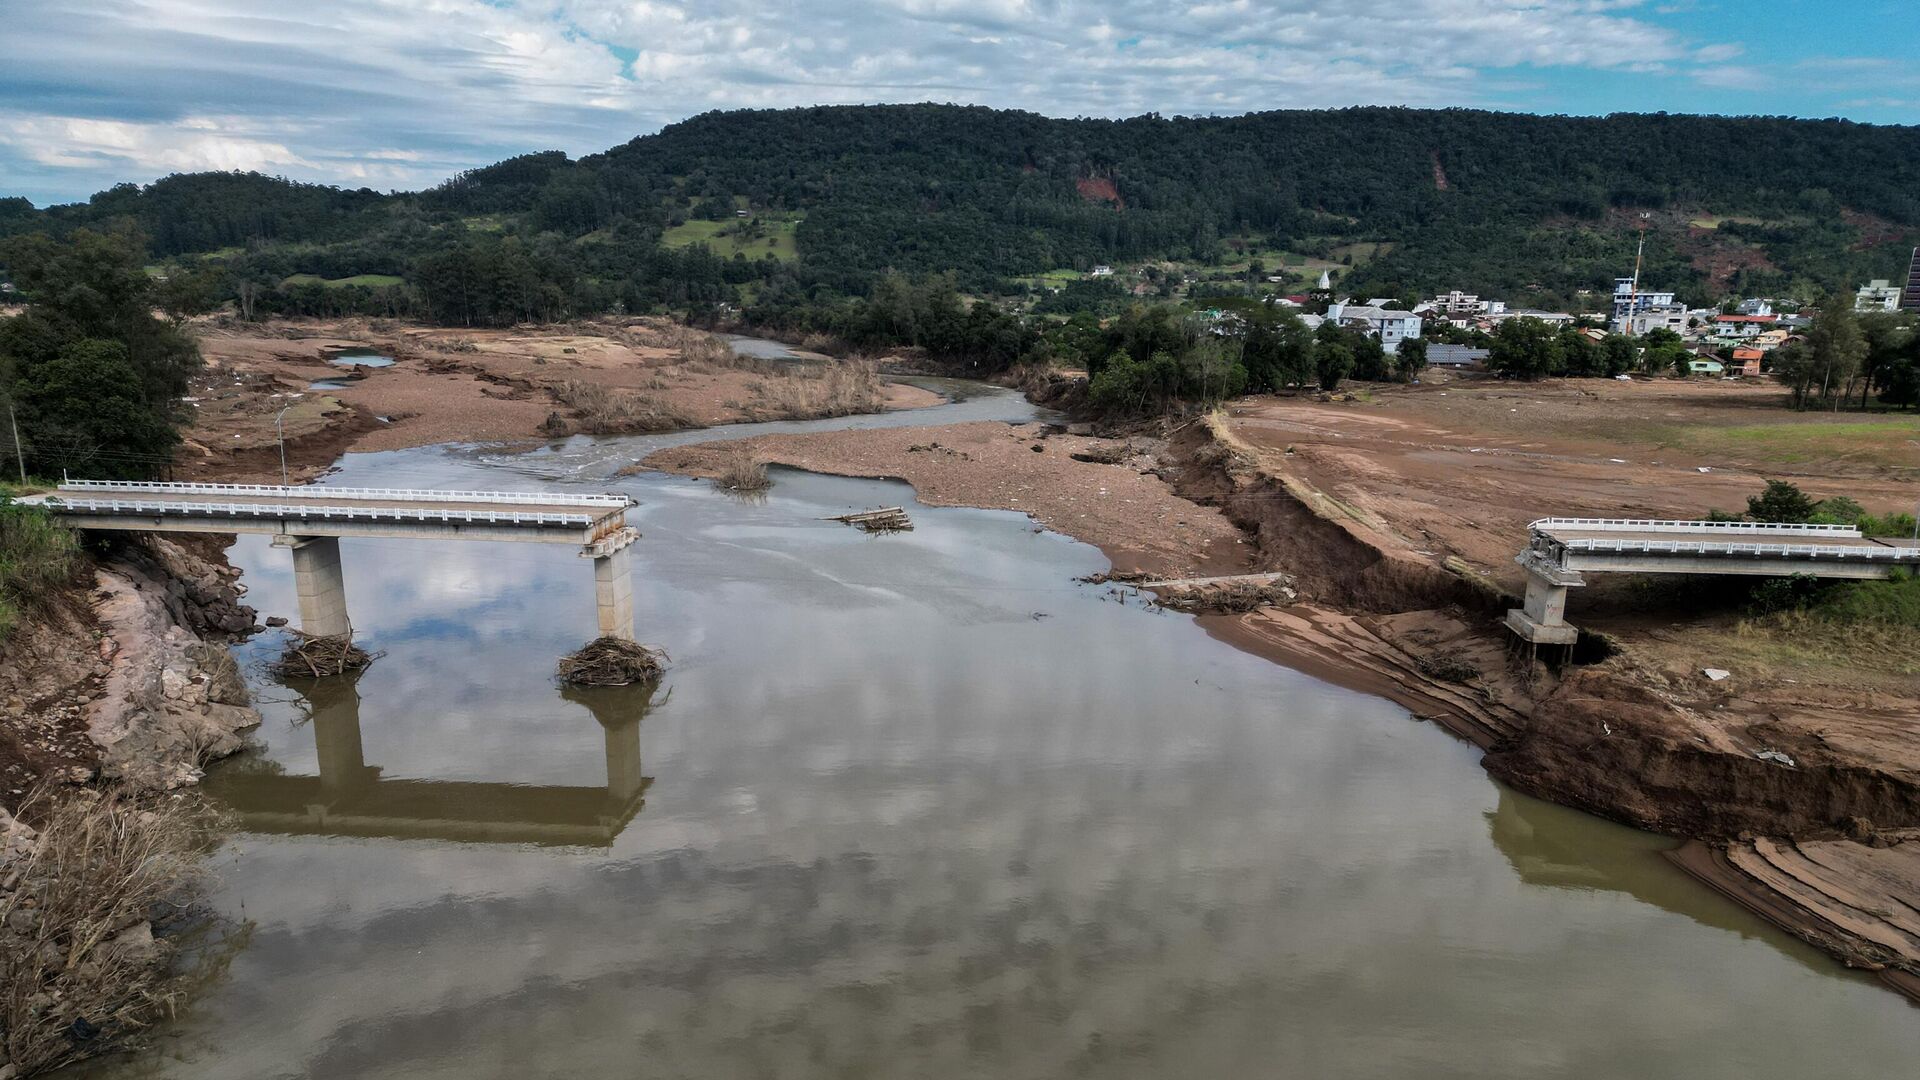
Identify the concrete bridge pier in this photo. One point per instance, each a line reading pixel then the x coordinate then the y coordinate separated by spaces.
pixel 613 582
pixel 613 594
pixel 321 585
pixel 1542 619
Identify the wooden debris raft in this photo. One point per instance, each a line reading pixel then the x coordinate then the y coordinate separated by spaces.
pixel 1233 594
pixel 310 657
pixel 611 661
pixel 884 520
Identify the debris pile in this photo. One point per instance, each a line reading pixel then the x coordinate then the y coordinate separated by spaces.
pixel 1446 668
pixel 1104 453
pixel 885 519
pixel 611 661
pixel 1227 597
pixel 311 657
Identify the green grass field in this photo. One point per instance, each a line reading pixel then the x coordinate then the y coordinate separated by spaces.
pixel 1052 279
pixel 1241 251
pixel 369 281
pixel 776 237
pixel 1890 441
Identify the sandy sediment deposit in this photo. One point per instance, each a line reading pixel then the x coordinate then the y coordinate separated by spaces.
pixel 1396 515
pixel 519 385
pixel 1107 492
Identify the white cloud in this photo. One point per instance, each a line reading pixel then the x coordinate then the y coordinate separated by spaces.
pixel 193 143
pixel 1732 78
pixel 403 92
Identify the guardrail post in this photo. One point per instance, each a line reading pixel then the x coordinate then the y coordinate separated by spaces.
pixel 321 584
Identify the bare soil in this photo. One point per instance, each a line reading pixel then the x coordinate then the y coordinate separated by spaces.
pixel 1396 513
pixel 1402 512
pixel 1126 508
pixel 448 385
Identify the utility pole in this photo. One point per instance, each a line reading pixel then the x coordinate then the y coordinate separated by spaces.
pixel 279 426
pixel 19 452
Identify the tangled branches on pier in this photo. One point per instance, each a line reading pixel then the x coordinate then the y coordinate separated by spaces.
pixel 310 657
pixel 611 661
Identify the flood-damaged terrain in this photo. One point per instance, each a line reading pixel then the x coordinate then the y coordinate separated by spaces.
pixel 520 386
pixel 1396 518
pixel 982 792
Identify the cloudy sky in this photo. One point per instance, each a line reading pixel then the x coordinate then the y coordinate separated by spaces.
pixel 402 93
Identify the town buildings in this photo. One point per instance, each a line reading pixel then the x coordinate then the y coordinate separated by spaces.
pixel 1741 327
pixel 1456 356
pixel 1462 306
pixel 1629 299
pixel 1668 317
pixel 1877 295
pixel 1391 326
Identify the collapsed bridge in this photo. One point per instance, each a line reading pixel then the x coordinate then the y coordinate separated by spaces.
pixel 309 521
pixel 1560 550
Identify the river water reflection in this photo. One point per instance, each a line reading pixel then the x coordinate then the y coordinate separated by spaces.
pixel 920 806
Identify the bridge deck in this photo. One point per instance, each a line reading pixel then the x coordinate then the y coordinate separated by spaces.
pixel 1715 547
pixel 1837 542
pixel 199 503
pixel 336 511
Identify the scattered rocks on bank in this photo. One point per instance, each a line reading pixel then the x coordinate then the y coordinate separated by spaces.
pixel 171 701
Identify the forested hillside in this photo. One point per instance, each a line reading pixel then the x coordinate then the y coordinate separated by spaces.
pixel 1403 201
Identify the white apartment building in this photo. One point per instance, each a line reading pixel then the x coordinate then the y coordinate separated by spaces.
pixel 1671 317
pixel 1877 295
pixel 1628 300
pixel 1459 305
pixel 1389 325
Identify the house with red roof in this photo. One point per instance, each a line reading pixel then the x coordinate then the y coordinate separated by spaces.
pixel 1742 326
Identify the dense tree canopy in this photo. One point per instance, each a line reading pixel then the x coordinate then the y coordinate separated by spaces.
pixel 93 377
pixel 1517 206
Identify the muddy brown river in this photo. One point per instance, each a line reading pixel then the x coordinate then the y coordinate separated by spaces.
pixel 920 806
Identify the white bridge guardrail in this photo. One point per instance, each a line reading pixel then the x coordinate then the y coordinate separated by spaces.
pixel 1867 551
pixel 290 510
pixel 1749 528
pixel 277 491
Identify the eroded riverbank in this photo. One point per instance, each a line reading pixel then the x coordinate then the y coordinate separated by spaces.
pixel 1626 739
pixel 921 803
pixel 920 799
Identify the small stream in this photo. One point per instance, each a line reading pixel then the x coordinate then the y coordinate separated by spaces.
pixel 919 806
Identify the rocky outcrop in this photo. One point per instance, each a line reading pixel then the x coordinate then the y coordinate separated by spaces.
pixel 202 591
pixel 172 700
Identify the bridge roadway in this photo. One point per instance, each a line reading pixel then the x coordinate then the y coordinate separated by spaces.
pixel 1559 550
pixel 311 520
pixel 323 511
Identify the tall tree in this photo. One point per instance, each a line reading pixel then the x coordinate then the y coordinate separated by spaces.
pixel 1526 348
pixel 1835 347
pixel 96 377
